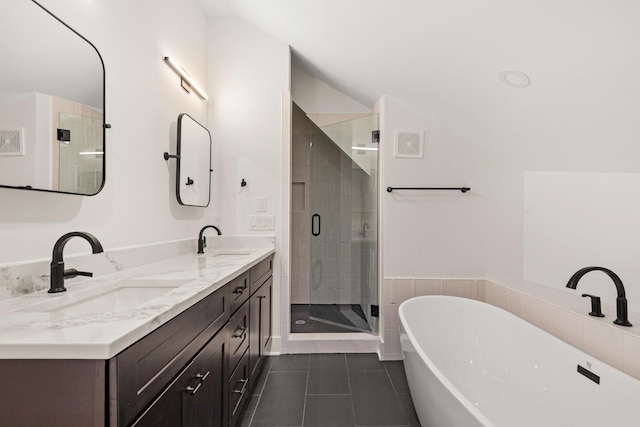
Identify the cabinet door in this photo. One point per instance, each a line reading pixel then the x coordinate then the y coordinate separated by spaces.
pixel 197 397
pixel 265 316
pixel 254 332
pixel 260 329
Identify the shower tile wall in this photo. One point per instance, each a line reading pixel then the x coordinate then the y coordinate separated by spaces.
pixel 335 184
pixel 300 215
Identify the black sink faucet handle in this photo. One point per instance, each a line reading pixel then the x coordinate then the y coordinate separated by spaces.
pixel 596 306
pixel 70 273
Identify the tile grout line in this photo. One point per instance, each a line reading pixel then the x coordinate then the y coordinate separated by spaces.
pixel 306 389
pixel 253 413
pixel 353 407
pixel 395 391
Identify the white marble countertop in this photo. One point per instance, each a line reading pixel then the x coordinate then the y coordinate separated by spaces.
pixel 29 332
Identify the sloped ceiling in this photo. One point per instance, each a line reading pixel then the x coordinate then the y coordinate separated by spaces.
pixel 581 112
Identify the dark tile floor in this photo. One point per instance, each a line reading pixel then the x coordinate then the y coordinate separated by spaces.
pixel 330 390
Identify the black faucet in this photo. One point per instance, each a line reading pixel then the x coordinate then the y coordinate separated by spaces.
pixel 621 302
pixel 58 273
pixel 202 241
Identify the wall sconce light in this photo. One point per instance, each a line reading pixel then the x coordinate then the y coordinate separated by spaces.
pixel 186 81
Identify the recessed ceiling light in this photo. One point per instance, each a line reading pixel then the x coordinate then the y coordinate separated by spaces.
pixel 514 78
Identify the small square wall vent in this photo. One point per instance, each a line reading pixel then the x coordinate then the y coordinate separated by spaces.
pixel 409 143
pixel 11 142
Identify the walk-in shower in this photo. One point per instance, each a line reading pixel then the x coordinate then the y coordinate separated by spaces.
pixel 334 235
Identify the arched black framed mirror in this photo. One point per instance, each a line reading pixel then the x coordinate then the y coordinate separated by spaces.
pixel 52 104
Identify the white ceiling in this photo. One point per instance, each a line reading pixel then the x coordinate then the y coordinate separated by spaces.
pixel 581 112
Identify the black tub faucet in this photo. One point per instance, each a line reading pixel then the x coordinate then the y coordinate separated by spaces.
pixel 622 317
pixel 58 273
pixel 202 241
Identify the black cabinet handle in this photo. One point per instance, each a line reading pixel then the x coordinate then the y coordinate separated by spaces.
pixel 313 224
pixel 240 289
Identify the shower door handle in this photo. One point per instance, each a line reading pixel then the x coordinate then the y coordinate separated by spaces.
pixel 313 224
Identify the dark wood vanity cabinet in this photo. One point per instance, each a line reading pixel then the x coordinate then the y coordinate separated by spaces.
pixel 141 372
pixel 196 370
pixel 249 337
pixel 197 396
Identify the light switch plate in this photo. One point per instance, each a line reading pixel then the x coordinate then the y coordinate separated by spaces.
pixel 261 204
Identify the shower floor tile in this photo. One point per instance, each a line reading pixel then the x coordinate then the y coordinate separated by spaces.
pixel 320 318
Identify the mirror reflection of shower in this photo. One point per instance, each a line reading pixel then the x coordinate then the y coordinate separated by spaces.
pixel 334 225
pixel 80 153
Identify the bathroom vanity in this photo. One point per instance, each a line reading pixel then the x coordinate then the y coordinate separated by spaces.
pixel 188 357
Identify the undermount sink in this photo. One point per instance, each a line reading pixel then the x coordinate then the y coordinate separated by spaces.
pixel 116 297
pixel 228 253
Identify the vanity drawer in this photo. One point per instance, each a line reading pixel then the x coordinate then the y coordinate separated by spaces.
pixel 239 288
pixel 140 372
pixel 260 273
pixel 197 397
pixel 238 335
pixel 238 390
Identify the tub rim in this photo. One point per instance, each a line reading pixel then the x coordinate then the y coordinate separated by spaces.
pixel 466 403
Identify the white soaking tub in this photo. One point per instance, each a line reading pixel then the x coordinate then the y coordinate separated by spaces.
pixel 472 364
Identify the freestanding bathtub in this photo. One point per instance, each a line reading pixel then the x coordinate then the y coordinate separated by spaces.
pixel 472 364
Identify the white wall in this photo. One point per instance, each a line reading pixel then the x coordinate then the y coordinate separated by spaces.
pixel 446 234
pixel 316 97
pixel 441 241
pixel 143 100
pixel 578 219
pixel 248 77
pixel 22 115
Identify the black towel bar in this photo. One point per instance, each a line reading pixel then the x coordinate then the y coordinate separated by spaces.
pixel 463 189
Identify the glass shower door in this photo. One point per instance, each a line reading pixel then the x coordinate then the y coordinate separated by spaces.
pixel 343 243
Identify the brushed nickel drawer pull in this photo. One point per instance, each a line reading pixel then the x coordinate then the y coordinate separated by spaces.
pixel 203 377
pixel 193 390
pixel 241 334
pixel 244 386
